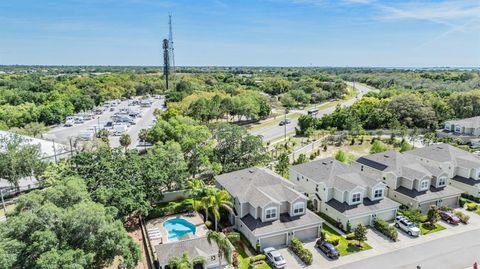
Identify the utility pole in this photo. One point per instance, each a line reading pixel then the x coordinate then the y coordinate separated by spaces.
pixel 170 43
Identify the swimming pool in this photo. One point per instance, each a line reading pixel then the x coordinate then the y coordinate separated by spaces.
pixel 177 228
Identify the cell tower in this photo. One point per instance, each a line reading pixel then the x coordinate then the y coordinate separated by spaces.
pixel 170 43
pixel 166 62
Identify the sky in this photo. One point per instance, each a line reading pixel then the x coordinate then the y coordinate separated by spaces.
pixel 346 33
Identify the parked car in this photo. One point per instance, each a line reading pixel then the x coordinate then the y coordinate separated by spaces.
pixel 70 121
pixel 449 217
pixel 119 129
pixel 283 122
pixel 274 258
pixel 407 226
pixel 327 248
pixel 79 120
pixel 86 135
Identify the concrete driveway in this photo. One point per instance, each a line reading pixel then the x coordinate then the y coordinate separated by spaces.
pixel 382 246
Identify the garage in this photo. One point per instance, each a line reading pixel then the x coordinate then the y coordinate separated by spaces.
pixel 364 220
pixel 387 215
pixel 306 235
pixel 450 202
pixel 273 241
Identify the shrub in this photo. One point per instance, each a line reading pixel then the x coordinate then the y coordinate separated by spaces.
pixel 461 202
pixel 463 218
pixel 471 206
pixel 414 215
pixel 471 197
pixel 304 254
pixel 209 224
pixel 334 240
pixel 349 227
pixel 322 235
pixel 446 208
pixel 257 258
pixel 383 227
pixel 350 236
pixel 258 247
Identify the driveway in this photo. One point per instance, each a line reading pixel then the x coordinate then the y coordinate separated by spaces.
pixel 411 249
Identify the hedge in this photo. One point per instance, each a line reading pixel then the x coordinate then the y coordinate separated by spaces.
pixel 383 227
pixel 471 206
pixel 257 258
pixel 471 197
pixel 463 218
pixel 304 254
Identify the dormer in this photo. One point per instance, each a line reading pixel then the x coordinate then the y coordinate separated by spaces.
pixel 441 181
pixel 355 196
pixel 271 212
pixel 377 192
pixel 423 184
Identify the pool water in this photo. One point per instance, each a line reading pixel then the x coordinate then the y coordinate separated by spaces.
pixel 178 228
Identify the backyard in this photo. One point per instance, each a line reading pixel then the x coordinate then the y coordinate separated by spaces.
pixel 245 253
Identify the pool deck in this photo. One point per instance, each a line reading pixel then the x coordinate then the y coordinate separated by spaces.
pixel 193 218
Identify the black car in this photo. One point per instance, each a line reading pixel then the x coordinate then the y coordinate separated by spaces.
pixel 283 122
pixel 328 249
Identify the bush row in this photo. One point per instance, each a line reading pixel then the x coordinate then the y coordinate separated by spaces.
pixel 304 254
pixel 471 197
pixel 383 227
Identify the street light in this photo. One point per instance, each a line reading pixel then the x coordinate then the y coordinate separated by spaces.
pixel 285 124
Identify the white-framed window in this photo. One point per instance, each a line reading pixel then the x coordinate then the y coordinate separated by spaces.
pixel 298 208
pixel 442 181
pixel 271 213
pixel 356 197
pixel 458 129
pixel 424 185
pixel 378 193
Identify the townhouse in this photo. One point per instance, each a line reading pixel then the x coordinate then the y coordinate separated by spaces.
pixel 268 209
pixel 461 167
pixel 409 181
pixel 345 195
pixel 468 126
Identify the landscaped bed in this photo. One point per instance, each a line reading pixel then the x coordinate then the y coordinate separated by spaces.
pixel 343 247
pixel 243 248
pixel 425 229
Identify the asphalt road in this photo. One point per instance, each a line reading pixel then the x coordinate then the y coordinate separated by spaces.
pixel 453 252
pixel 270 133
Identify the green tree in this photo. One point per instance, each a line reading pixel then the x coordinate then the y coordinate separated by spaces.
pixel 197 190
pixel 302 158
pixel 360 234
pixel 341 156
pixel 378 146
pixel 60 227
pixel 19 159
pixel 433 215
pixel 282 165
pixel 125 141
pixel 35 128
pixel 182 262
pixel 220 200
pixel 405 146
pixel 225 248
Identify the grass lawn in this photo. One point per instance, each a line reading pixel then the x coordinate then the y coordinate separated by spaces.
pixel 274 122
pixel 426 230
pixel 9 209
pixel 343 247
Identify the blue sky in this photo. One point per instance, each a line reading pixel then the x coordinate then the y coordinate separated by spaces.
pixel 242 32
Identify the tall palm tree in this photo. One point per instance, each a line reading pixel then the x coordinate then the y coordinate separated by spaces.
pixel 197 188
pixel 225 248
pixel 207 200
pixel 220 199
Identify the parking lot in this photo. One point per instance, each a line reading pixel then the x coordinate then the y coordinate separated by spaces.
pixel 69 134
pixel 383 246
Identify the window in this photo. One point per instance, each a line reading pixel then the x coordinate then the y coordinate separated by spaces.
pixel 298 208
pixel 356 197
pixel 442 181
pixel 424 185
pixel 378 193
pixel 271 213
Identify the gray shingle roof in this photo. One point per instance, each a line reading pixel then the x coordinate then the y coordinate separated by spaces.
pixel 432 194
pixel 367 206
pixel 447 153
pixel 334 174
pixel 473 122
pixel 403 165
pixel 469 181
pixel 258 186
pixel 195 247
pixel 284 222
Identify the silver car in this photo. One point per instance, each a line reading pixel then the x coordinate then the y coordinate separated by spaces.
pixel 407 226
pixel 274 258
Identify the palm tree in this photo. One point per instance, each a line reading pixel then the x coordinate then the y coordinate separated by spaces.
pixel 143 135
pixel 125 141
pixel 182 262
pixel 220 199
pixel 225 248
pixel 207 200
pixel 197 188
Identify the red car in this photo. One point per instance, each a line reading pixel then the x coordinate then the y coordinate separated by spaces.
pixel 449 217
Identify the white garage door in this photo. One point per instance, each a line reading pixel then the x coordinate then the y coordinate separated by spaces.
pixel 273 241
pixel 306 235
pixel 365 220
pixel 389 215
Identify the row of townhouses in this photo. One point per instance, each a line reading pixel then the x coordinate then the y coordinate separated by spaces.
pixel 270 210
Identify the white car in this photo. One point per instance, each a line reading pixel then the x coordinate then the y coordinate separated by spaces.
pixel 69 122
pixel 407 226
pixel 274 257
